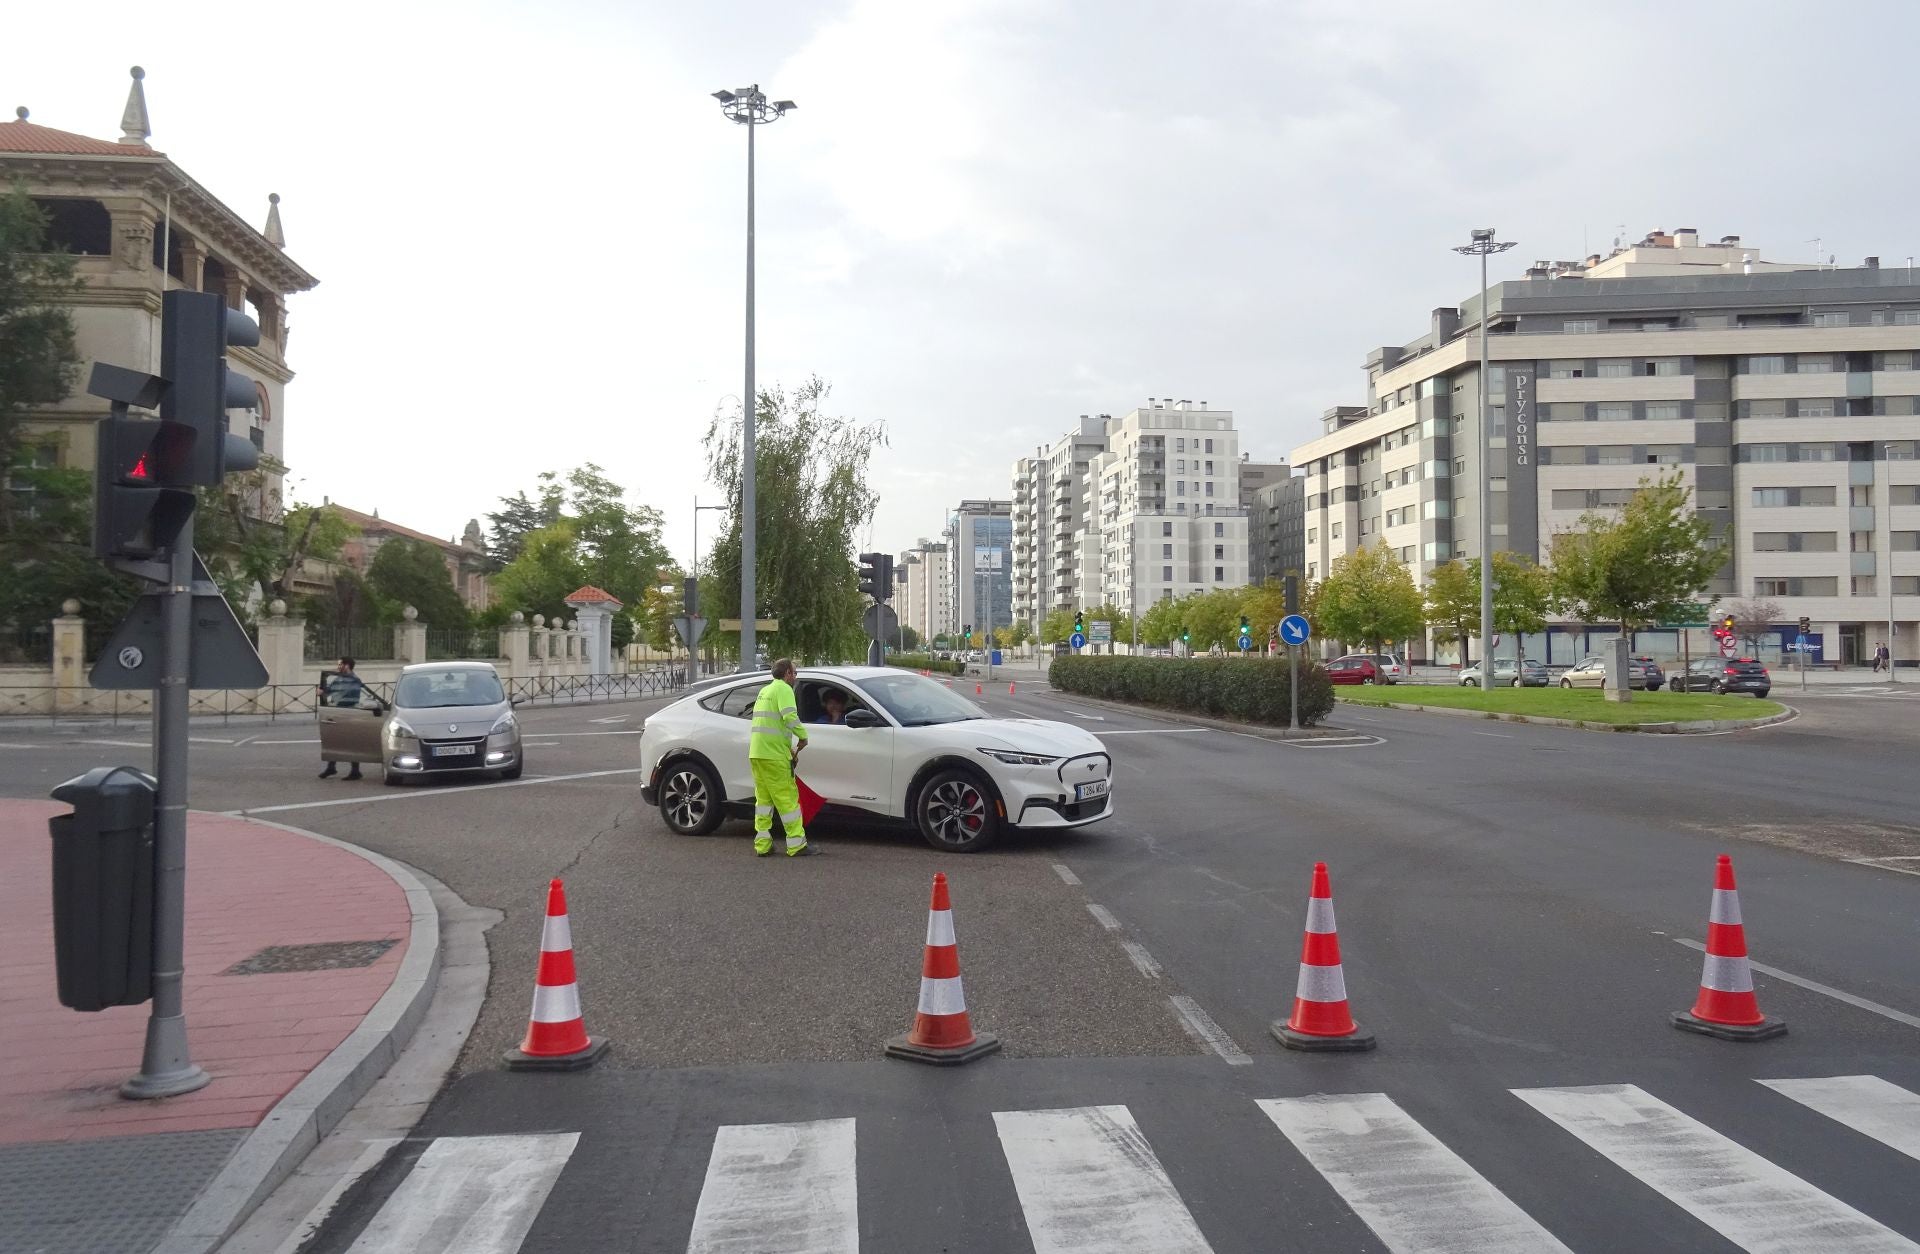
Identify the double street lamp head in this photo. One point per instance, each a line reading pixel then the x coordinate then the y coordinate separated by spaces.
pixel 1483 243
pixel 750 106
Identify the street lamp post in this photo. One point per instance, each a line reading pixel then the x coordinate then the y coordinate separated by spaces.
pixel 1886 511
pixel 1484 245
pixel 693 650
pixel 750 108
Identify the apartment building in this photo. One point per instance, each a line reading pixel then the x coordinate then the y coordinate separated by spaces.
pixel 1276 527
pixel 924 593
pixel 979 572
pixel 1049 510
pixel 1785 395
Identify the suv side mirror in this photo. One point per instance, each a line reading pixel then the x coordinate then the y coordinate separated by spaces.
pixel 861 718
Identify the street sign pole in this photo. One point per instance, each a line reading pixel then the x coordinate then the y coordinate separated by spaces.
pixel 166 1067
pixel 1293 687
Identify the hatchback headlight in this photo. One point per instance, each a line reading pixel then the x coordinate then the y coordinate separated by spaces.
pixel 398 730
pixel 505 723
pixel 1013 757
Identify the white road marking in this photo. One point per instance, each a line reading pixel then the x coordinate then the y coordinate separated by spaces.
pixel 1415 1193
pixel 1088 1180
pixel 632 731
pixel 1495 735
pixel 782 1188
pixel 1758 1206
pixel 1202 1028
pixel 1153 731
pixel 541 744
pixel 1881 864
pixel 423 794
pixel 1888 1012
pixel 1065 873
pixel 26 746
pixel 616 718
pixel 376 1149
pixel 1866 1103
pixel 1098 718
pixel 469 1195
pixel 1141 959
pixel 313 741
pixel 1105 916
pixel 124 744
pixel 207 740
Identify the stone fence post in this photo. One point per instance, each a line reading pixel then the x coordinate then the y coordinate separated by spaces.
pixel 539 641
pixel 282 642
pixel 513 645
pixel 410 637
pixel 70 688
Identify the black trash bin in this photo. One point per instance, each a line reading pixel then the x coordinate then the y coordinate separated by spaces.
pixel 103 889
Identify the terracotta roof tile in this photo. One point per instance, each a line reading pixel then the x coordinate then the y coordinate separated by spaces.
pixel 590 595
pixel 20 136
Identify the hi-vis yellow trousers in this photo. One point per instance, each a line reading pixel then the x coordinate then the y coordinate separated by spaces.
pixel 776 792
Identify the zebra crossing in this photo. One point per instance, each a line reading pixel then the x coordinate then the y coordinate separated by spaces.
pixel 1089 1179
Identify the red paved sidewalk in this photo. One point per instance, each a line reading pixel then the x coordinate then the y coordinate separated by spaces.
pixel 249 886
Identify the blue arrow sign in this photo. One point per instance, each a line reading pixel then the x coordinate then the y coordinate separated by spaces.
pixel 1246 642
pixel 1077 640
pixel 1294 629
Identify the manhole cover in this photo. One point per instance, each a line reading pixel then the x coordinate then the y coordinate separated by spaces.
pixel 327 956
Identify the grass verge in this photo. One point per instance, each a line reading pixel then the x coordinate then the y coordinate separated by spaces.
pixel 1587 705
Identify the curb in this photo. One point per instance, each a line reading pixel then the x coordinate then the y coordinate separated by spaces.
pixel 1692 727
pixel 1264 730
pixel 295 1125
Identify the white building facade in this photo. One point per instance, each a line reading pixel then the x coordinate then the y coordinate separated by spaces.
pixel 924 594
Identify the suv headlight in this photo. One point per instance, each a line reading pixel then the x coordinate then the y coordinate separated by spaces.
pixel 1013 757
pixel 505 723
pixel 398 730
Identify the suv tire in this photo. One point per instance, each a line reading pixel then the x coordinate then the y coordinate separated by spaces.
pixel 956 812
pixel 690 798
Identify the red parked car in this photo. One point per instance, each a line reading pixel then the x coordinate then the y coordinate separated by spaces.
pixel 1353 670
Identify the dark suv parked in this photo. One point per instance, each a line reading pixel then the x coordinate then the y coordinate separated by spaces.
pixel 1724 675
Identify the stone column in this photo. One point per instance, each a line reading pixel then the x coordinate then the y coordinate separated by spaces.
pixel 282 642
pixel 193 263
pixel 236 292
pixel 410 637
pixel 513 645
pixel 70 688
pixel 542 645
pixel 595 623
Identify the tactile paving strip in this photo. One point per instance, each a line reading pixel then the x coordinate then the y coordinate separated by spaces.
pixel 325 956
pixel 115 1194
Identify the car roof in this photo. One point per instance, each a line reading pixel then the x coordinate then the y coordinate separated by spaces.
pixel 423 668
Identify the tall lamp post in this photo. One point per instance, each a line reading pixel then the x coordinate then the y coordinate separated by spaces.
pixel 694 573
pixel 750 108
pixel 1483 246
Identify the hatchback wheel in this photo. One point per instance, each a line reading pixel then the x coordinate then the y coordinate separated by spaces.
pixel 956 813
pixel 1566 683
pixel 690 799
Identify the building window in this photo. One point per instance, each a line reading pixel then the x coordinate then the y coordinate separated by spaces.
pixel 1769 587
pixel 1313 535
pixel 1766 452
pixel 1580 326
pixel 1313 570
pixel 1219 574
pixel 1817 453
pixel 1566 369
pixel 1219 529
pixel 1615 455
pixel 1900 450
pixel 1814 409
pixel 1180 488
pixel 1209 469
pixel 1615 367
pixel 1906 585
pixel 1901 494
pixel 1814 363
pixel 1664 366
pixel 1459 465
pixel 1179 465
pixel 1166 550
pixel 1860 495
pixel 1862 585
pixel 1209 446
pixel 1209 487
pixel 1766 365
pixel 1662 411
pixel 1166 528
pixel 1166 574
pixel 1614 411
pixel 1334 531
pixel 1832 318
pixel 1219 551
pixel 1664 454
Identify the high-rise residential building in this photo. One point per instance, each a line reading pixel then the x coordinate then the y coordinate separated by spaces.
pixel 1050 509
pixel 924 596
pixel 979 567
pixel 1785 396
pixel 1276 527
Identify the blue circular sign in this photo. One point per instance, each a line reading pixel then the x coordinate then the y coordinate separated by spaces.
pixel 1077 640
pixel 1246 642
pixel 1294 629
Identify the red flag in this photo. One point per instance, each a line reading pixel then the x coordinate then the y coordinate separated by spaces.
pixel 810 802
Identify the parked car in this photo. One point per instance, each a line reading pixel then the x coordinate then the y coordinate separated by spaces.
pixel 1354 669
pixel 445 718
pixel 1386 664
pixel 910 748
pixel 1724 675
pixel 1592 673
pixel 1530 674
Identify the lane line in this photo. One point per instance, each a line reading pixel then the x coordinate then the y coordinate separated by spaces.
pixel 781 1188
pixel 1065 873
pixel 124 744
pixel 1154 731
pixel 1202 1028
pixel 1827 990
pixel 1142 960
pixel 376 1149
pixel 469 1195
pixel 1414 1192
pixel 312 741
pixel 425 794
pixel 207 740
pixel 1088 1180
pixel 1105 916
pixel 1866 1103
pixel 1760 1207
pixel 1880 864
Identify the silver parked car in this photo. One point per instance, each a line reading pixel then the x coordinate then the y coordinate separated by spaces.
pixel 1530 675
pixel 445 718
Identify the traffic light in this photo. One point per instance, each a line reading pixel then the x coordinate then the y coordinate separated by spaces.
pixel 870 575
pixel 1726 625
pixel 1246 628
pixel 1079 622
pixel 1186 637
pixel 196 329
pixel 1806 624
pixel 885 569
pixel 133 515
pixel 966 633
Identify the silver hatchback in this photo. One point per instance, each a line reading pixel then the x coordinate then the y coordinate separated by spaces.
pixel 445 718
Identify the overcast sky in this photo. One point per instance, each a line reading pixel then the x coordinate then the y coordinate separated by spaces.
pixel 984 220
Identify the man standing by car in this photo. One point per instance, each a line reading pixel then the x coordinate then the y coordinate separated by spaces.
pixel 773 752
pixel 342 690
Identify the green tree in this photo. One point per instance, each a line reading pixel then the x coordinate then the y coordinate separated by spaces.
pixel 1056 627
pixel 1640 568
pixel 812 499
pixel 251 543
pixel 1453 604
pixel 546 573
pixel 1264 605
pixel 1212 618
pixel 1522 598
pixel 658 608
pixel 1160 625
pixel 412 572
pixel 1369 597
pixel 619 544
pixel 908 640
pixel 39 363
pixel 1019 633
pixel 518 517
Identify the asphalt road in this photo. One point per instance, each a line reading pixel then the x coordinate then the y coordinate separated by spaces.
pixel 1512 901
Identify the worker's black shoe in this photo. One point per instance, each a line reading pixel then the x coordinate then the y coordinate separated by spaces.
pixel 329 772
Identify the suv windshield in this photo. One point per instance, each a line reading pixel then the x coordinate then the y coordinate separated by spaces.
pixel 434 690
pixel 917 702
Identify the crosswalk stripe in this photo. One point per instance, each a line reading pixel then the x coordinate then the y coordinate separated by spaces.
pixel 1088 1180
pixel 779 1188
pixel 469 1195
pixel 1866 1103
pixel 1418 1196
pixel 1758 1206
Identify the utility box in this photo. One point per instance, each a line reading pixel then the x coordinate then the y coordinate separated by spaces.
pixel 103 875
pixel 1619 672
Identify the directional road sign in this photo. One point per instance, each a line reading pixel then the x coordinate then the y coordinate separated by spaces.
pixel 691 628
pixel 1246 642
pixel 881 622
pixel 1077 640
pixel 1100 631
pixel 1294 629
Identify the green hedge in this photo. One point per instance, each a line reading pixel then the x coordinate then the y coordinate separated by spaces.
pixel 1250 690
pixel 925 662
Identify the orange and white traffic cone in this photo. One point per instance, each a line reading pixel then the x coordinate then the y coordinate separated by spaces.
pixel 1726 1007
pixel 557 1037
pixel 1009 689
pixel 942 1032
pixel 1321 1019
pixel 978 690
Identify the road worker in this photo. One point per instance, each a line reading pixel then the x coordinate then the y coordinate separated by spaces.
pixel 774 753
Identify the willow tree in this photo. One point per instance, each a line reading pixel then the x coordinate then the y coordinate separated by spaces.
pixel 812 501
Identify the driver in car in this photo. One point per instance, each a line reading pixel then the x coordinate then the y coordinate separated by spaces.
pixel 833 707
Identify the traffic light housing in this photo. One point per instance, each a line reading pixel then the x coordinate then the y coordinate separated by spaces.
pixel 134 516
pixel 966 633
pixel 886 577
pixel 870 575
pixel 1727 624
pixel 196 329
pixel 1246 627
pixel 1806 624
pixel 1079 622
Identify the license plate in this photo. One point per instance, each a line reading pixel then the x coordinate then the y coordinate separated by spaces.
pixel 452 751
pixel 1098 788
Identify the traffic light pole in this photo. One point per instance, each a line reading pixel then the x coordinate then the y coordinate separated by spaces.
pixel 166 1066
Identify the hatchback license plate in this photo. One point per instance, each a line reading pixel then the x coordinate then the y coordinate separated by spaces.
pixel 452 751
pixel 1098 788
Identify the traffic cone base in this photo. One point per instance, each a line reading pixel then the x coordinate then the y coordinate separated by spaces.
pixel 942 1030
pixel 1726 1007
pixel 1766 1028
pixel 903 1046
pixel 578 1061
pixel 1353 1042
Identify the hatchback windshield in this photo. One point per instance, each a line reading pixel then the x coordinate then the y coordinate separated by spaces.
pixel 918 702
pixel 433 690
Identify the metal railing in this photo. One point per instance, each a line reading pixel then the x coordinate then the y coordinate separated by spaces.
pixel 363 644
pixel 27 646
pixel 454 643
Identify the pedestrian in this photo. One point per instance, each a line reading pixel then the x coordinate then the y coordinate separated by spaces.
pixel 342 690
pixel 1881 659
pixel 773 752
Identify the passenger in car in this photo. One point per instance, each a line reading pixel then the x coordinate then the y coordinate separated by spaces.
pixel 833 707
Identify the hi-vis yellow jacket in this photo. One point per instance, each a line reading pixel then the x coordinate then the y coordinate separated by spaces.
pixel 775 723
